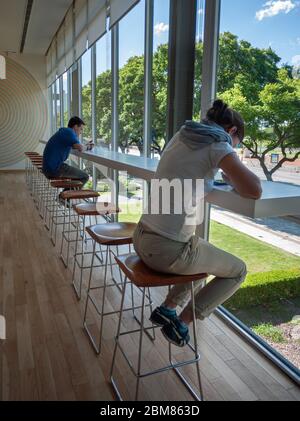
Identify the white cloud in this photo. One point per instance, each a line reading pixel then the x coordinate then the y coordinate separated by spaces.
pixel 298 41
pixel 296 60
pixel 274 7
pixel 160 28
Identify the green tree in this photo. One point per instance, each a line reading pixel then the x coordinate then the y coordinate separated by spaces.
pixel 273 122
pixel 103 106
pixel 131 103
pixel 86 97
pixel 238 57
pixel 249 79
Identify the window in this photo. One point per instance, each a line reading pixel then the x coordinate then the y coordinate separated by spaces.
pixel 131 197
pixel 257 75
pixel 53 107
pixel 131 80
pixel 86 94
pixel 66 99
pixel 86 108
pixel 58 108
pixel 198 59
pixel 103 91
pixel 160 76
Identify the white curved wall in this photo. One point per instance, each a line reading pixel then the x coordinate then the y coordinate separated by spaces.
pixel 23 110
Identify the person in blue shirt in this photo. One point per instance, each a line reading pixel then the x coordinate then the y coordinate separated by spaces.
pixel 58 150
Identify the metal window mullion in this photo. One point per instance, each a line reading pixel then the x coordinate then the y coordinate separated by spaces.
pixel 54 116
pixel 210 54
pixel 94 71
pixel 94 121
pixel 80 87
pixel 115 87
pixel 55 106
pixel 181 64
pixel 61 95
pixel 148 99
pixel 69 94
pixel 80 99
pixel 50 109
pixel 115 105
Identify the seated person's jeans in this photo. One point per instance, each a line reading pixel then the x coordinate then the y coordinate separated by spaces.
pixel 72 173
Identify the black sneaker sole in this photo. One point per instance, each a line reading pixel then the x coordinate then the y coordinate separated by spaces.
pixel 157 323
pixel 182 345
pixel 163 323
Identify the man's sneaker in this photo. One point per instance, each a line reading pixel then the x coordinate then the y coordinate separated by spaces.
pixel 162 316
pixel 176 332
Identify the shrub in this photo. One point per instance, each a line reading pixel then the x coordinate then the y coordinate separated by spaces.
pixel 269 332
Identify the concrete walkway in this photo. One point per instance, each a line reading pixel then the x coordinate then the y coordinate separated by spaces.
pixel 278 232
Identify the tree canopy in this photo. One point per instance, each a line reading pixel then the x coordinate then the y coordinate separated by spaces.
pixel 250 79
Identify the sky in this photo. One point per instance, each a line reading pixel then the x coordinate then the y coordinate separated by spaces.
pixel 273 23
pixel 263 23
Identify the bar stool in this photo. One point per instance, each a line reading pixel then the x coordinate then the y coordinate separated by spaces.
pixel 29 155
pixel 56 207
pixel 53 186
pixel 107 235
pixel 37 184
pixel 104 210
pixel 69 197
pixel 143 277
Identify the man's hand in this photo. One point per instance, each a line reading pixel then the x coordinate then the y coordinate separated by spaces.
pixel 78 147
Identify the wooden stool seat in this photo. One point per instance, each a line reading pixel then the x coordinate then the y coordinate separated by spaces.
pixel 95 209
pixel 59 178
pixel 65 184
pixel 79 195
pixel 114 234
pixel 144 277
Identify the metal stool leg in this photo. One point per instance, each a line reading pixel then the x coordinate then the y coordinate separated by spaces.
pixel 140 348
pixel 174 365
pixel 115 387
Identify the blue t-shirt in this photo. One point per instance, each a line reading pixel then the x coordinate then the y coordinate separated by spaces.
pixel 58 149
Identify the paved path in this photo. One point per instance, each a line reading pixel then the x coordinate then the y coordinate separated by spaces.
pixel 278 232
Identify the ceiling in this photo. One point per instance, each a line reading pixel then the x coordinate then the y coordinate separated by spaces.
pixel 46 17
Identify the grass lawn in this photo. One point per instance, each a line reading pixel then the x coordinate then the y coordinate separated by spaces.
pixel 131 212
pixel 259 256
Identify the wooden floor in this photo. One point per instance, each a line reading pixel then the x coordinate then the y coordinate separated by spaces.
pixel 47 355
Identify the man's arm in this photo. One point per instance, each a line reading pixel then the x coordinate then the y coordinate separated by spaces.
pixel 78 147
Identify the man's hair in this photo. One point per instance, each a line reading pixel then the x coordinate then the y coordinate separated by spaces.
pixel 75 121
